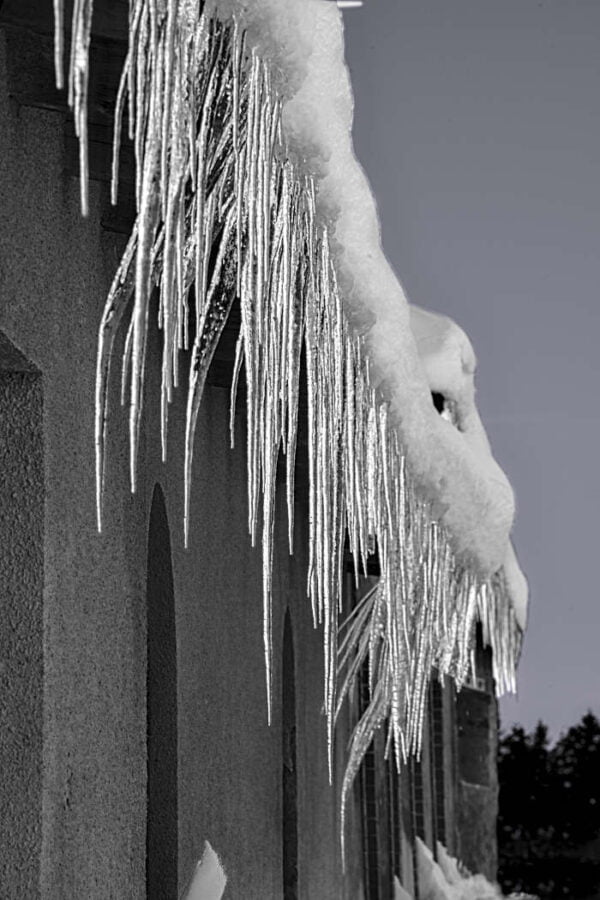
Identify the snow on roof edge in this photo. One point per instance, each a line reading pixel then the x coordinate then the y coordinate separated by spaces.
pixel 469 492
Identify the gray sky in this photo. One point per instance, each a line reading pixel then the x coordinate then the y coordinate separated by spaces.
pixel 478 125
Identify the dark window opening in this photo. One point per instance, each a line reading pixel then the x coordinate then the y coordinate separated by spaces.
pixel 161 710
pixel 370 826
pixel 417 823
pixel 379 814
pixel 289 776
pixel 439 401
pixel 418 798
pixel 373 567
pixel 436 714
pixel 394 817
pixel 475 711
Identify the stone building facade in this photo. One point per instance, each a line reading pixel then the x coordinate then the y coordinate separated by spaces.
pixel 132 712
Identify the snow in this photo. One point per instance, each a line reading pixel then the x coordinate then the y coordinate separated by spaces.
pixel 242 136
pixel 517 586
pixel 448 879
pixel 209 879
pixel 443 880
pixel 449 361
pixel 399 892
pixel 303 40
pixel 469 492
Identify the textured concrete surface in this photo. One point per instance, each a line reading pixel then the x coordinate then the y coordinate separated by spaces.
pixel 161 709
pixel 477 812
pixel 90 838
pixel 21 631
pixel 75 802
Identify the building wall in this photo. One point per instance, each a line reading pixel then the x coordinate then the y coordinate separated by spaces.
pixel 21 618
pixel 89 787
pixel 75 741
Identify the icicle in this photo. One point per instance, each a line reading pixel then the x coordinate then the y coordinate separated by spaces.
pixel 117 129
pixel 237 364
pixel 224 213
pixel 218 304
pixel 114 309
pixel 59 28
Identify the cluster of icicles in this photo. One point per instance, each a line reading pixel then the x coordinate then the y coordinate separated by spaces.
pixel 223 213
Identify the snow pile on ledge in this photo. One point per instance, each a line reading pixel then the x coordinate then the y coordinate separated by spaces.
pixel 469 492
pixel 447 879
pixel 209 879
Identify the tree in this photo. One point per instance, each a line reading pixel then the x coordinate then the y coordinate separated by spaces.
pixel 549 812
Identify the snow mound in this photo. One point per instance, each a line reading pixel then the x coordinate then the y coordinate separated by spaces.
pixel 449 361
pixel 444 881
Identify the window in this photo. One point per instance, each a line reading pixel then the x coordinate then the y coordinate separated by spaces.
pixel 289 782
pixel 379 812
pixel 475 712
pixel 161 709
pixel 436 730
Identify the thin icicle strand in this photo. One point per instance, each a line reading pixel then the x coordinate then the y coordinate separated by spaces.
pixel 77 77
pixel 223 212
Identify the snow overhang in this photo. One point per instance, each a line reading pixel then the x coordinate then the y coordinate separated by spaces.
pixel 248 189
pixel 411 352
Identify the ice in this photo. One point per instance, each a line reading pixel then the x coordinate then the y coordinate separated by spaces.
pixel 247 187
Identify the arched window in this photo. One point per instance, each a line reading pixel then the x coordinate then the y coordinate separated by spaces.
pixel 161 710
pixel 289 777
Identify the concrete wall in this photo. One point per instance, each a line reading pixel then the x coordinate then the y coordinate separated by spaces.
pixel 89 840
pixel 21 618
pixel 74 806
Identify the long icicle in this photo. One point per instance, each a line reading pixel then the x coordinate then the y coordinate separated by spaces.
pixel 223 212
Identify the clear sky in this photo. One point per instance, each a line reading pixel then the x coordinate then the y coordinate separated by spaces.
pixel 478 125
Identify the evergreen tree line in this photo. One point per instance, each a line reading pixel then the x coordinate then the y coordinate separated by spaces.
pixel 549 816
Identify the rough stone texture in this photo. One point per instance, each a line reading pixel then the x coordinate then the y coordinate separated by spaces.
pixel 55 269
pixel 78 813
pixel 21 631
pixel 478 808
pixel 477 718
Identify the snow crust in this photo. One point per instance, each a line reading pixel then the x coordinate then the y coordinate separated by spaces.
pixel 209 879
pixel 399 892
pixel 448 879
pixel 444 880
pixel 449 361
pixel 410 352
